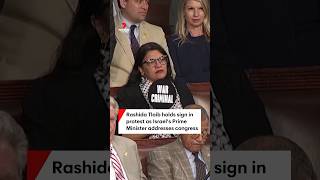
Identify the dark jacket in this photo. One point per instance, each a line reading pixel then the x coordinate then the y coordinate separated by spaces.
pixel 191 59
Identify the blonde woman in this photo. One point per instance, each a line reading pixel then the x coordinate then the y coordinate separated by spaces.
pixel 190 46
pixel 190 51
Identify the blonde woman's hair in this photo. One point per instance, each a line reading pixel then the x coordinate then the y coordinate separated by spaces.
pixel 181 27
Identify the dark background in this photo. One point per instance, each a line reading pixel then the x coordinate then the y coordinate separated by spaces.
pixel 1 4
pixel 268 33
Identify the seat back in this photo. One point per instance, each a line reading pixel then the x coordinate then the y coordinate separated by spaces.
pixel 12 94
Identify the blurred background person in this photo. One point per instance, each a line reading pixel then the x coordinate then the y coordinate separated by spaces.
pixel 151 64
pixel 219 136
pixel 67 109
pixel 13 148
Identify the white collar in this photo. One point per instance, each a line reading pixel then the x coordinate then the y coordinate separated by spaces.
pixel 191 156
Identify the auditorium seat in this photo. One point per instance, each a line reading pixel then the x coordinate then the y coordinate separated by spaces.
pixel 292 101
pixel 12 94
pixel 295 115
pixel 114 91
pixel 201 94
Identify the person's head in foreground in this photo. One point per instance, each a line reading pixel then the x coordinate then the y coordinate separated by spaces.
pixel 194 142
pixel 151 63
pixel 134 10
pixel 114 108
pixel 193 18
pixel 13 148
pixel 301 167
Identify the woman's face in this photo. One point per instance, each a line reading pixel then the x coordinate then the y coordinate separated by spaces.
pixel 154 65
pixel 194 13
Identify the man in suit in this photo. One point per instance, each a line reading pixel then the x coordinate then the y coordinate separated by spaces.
pixel 131 32
pixel 187 158
pixel 125 163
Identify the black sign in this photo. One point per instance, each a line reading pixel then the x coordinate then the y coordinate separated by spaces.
pixel 162 94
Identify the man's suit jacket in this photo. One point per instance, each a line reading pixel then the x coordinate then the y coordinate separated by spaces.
pixel 129 157
pixel 123 60
pixel 171 162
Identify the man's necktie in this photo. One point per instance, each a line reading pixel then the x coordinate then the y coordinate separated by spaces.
pixel 200 167
pixel 116 165
pixel 133 40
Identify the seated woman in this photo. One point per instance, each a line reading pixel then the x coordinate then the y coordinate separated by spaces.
pixel 151 64
pixel 190 46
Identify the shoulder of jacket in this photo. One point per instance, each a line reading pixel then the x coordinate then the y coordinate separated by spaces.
pixel 165 148
pixel 125 140
pixel 150 26
pixel 130 89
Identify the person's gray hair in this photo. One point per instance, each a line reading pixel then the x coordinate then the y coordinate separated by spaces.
pixel 12 134
pixel 114 104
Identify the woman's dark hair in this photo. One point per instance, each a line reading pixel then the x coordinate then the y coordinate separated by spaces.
pixel 135 75
pixel 81 46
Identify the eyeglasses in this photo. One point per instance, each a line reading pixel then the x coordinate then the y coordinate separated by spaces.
pixel 204 134
pixel 162 60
